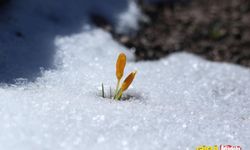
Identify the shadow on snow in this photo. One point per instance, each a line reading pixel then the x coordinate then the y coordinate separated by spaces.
pixel 28 29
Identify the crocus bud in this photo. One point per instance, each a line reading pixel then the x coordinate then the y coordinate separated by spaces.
pixel 128 81
pixel 120 65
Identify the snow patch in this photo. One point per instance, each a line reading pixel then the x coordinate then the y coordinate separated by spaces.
pixel 179 102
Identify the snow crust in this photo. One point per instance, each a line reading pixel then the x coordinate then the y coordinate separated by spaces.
pixel 177 103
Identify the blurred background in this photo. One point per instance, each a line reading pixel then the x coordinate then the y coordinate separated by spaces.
pixel 217 30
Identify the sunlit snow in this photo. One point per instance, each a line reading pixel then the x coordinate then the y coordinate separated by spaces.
pixel 177 103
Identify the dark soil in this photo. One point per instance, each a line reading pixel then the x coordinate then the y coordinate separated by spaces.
pixel 217 30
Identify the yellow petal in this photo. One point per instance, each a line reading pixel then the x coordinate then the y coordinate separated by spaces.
pixel 128 81
pixel 120 65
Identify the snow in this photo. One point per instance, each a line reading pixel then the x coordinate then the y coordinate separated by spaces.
pixel 32 25
pixel 178 102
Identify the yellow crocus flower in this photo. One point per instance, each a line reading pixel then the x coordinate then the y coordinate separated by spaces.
pixel 126 83
pixel 120 65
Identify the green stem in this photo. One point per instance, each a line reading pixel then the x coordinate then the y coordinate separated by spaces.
pixel 118 95
pixel 116 89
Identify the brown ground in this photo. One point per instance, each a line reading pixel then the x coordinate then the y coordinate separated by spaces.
pixel 218 30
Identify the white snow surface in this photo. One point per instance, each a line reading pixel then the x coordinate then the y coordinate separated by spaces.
pixel 177 103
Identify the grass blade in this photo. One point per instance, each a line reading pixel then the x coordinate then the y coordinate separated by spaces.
pixel 103 91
